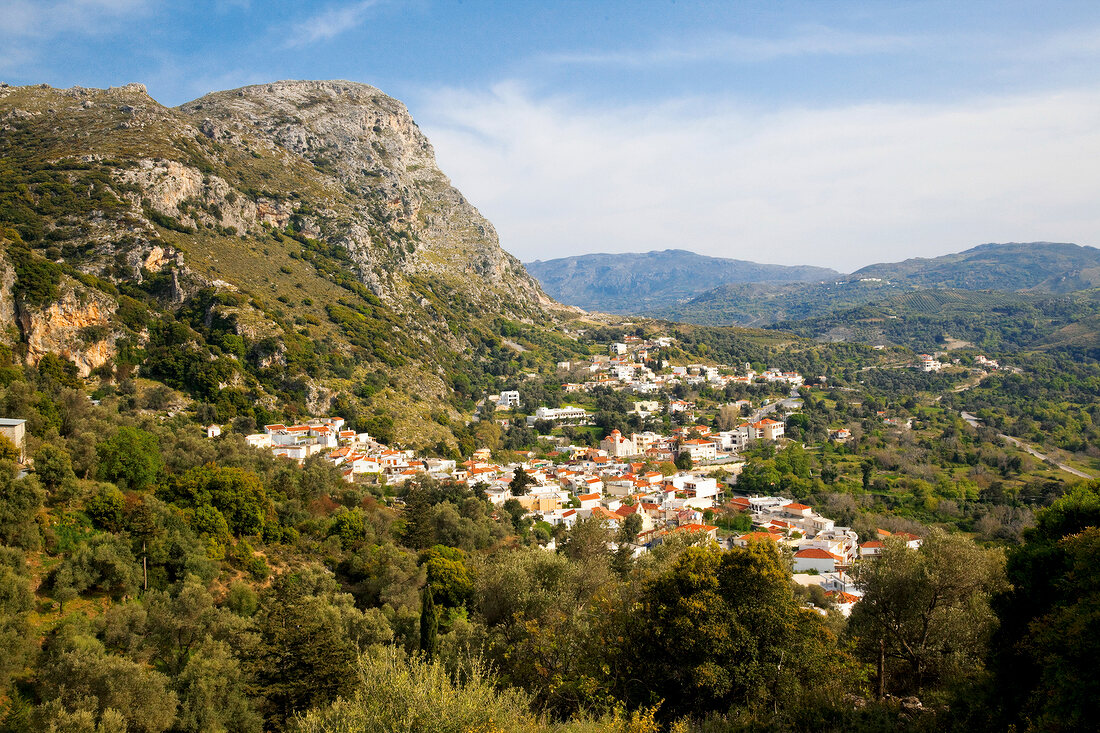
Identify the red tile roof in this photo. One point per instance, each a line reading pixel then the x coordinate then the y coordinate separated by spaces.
pixel 816 553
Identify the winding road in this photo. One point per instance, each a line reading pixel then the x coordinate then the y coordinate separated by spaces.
pixel 974 422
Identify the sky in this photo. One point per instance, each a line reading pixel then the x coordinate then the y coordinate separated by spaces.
pixel 826 133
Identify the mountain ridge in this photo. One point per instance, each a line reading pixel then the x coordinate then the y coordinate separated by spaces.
pixel 291 245
pixel 633 282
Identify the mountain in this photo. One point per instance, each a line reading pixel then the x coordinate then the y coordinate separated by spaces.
pixel 1036 267
pixel 640 282
pixel 1041 266
pixel 759 305
pixel 281 247
pixel 936 319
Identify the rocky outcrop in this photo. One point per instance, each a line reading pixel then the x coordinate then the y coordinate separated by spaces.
pixel 301 232
pixel 77 327
pixel 7 298
pixel 405 214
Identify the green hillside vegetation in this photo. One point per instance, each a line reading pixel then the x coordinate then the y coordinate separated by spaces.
pixel 764 304
pixel 1041 266
pixel 927 320
pixel 263 323
pixel 154 580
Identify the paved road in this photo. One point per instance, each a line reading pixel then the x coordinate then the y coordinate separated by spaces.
pixel 789 403
pixel 975 422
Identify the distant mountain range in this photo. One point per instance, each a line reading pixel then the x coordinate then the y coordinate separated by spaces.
pixel 1048 267
pixel 642 282
pixel 1020 289
pixel 682 285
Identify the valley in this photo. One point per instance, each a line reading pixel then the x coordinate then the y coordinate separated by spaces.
pixel 289 442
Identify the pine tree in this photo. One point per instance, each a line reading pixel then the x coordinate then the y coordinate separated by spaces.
pixel 429 623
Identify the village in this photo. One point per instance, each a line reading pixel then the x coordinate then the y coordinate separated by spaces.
pixel 659 485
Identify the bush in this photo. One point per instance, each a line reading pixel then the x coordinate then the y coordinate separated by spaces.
pixel 414 696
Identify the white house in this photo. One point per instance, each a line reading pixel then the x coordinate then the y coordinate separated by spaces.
pixel 15 430
pixel 700 449
pixel 816 558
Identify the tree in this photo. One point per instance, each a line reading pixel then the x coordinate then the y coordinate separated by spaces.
pixel 729 417
pixel 723 629
pixel 429 623
pixel 758 478
pixel 9 451
pixel 20 500
pixel 1043 654
pixel 520 481
pixel 306 657
pixel 587 540
pixel 447 575
pixel 684 461
pixel 16 602
pixel 54 468
pixel 105 508
pixel 212 692
pixel 925 616
pixel 101 563
pixel 417 696
pixel 78 675
pixel 131 458
pixel 418 532
pixel 632 526
pixel 238 495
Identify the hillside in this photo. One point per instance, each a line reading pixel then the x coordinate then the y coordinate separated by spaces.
pixel 1037 268
pixel 641 282
pixel 1041 266
pixel 764 304
pixel 280 247
pixel 935 319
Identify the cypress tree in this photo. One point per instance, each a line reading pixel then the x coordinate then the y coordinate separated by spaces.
pixel 429 623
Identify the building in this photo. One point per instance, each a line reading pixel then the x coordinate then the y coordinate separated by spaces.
pixel 508 399
pixel 700 449
pixel 816 558
pixel 768 429
pixel 928 363
pixel 567 414
pixel 15 430
pixel 617 446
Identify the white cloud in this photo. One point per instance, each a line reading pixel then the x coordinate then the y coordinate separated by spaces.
pixel 841 186
pixel 42 19
pixel 735 48
pixel 330 23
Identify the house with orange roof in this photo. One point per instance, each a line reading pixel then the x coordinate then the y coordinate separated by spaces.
pixel 710 530
pixel 816 558
pixel 700 449
pixel 768 429
pixel 598 512
pixel 845 602
pixel 871 548
pixel 745 539
pixel 589 501
pixel 798 510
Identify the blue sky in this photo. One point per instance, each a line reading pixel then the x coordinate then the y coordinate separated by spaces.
pixel 830 133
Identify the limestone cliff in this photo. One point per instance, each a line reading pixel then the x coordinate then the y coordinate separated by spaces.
pixel 77 326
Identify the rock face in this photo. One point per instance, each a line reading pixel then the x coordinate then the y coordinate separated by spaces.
pixel 76 327
pixel 289 239
pixel 369 145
